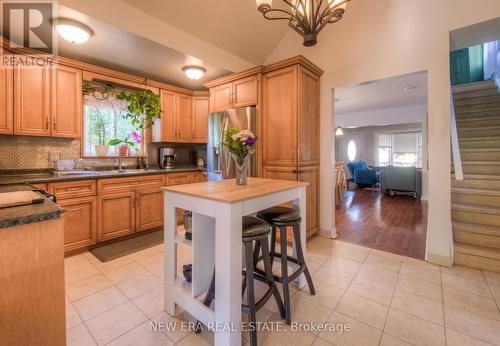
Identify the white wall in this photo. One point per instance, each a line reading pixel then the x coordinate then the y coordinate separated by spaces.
pixel 381 39
pixel 382 116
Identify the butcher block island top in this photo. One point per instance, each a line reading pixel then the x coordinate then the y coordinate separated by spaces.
pixel 227 191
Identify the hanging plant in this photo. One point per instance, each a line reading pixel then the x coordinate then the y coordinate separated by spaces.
pixel 144 105
pixel 144 108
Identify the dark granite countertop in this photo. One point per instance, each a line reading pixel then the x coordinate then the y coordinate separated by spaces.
pixel 47 177
pixel 24 214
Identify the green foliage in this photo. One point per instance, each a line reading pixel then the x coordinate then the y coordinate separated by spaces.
pixel 116 141
pixel 239 142
pixel 144 108
pixel 100 125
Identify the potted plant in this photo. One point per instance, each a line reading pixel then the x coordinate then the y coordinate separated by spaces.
pixel 143 109
pixel 241 145
pixel 124 145
pixel 100 126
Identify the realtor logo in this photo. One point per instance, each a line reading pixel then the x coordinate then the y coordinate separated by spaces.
pixel 29 24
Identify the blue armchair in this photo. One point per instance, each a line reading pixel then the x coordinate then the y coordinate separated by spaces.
pixel 361 174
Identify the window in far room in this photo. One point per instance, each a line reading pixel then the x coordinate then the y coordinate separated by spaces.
pixel 403 149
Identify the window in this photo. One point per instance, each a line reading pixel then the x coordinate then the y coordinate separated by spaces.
pixel 103 120
pixel 351 150
pixel 403 149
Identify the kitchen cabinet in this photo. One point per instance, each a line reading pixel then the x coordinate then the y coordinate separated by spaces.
pixel 183 119
pixel 238 93
pixel 200 108
pixel 79 222
pixel 176 122
pixel 67 117
pixel 78 198
pixel 6 100
pixel 116 214
pixel 149 212
pixel 48 102
pixel 290 103
pixel 32 101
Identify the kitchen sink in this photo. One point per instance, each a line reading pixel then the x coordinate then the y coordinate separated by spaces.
pixel 66 173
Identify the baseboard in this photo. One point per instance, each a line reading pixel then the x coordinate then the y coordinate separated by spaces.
pixel 440 260
pixel 330 234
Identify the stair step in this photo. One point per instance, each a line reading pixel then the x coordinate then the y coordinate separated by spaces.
pixel 474 114
pixel 479 235
pixel 488 107
pixel 479 142
pixel 480 154
pixel 479 257
pixel 478 121
pixel 472 87
pixel 478 131
pixel 487 198
pixel 477 181
pixel 477 100
pixel 481 167
pixel 468 213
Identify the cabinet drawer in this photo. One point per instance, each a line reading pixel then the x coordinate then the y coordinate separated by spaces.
pixel 71 189
pixel 179 179
pixel 129 184
pixel 79 222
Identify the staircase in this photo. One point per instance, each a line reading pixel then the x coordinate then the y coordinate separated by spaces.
pixel 475 210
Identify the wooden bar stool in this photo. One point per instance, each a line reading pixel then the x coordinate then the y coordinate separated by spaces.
pixel 254 230
pixel 281 218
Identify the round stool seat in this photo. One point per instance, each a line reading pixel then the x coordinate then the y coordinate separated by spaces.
pixel 254 227
pixel 279 214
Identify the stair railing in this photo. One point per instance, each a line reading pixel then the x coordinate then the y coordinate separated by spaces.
pixel 455 148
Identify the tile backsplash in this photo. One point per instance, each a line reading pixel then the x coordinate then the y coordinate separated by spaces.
pixel 21 152
pixel 33 152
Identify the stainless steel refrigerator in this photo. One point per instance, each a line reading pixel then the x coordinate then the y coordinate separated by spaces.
pixel 219 163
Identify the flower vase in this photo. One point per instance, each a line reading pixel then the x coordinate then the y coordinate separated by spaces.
pixel 241 170
pixel 124 150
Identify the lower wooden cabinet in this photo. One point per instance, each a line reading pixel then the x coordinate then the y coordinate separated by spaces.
pixel 116 215
pixel 79 222
pixel 149 209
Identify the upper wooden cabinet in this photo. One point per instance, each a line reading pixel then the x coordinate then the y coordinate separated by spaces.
pixel 184 118
pixel 32 101
pixel 238 93
pixel 48 102
pixel 291 104
pixel 67 116
pixel 6 98
pixel 201 105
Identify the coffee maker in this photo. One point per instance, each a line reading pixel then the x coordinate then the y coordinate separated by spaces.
pixel 167 157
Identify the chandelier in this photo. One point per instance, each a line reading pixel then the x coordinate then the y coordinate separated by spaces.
pixel 306 17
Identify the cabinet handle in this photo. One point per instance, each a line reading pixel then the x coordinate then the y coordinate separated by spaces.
pixel 72 189
pixel 74 210
pixel 46 123
pixel 54 124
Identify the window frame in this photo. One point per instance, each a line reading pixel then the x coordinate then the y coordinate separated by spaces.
pixel 419 147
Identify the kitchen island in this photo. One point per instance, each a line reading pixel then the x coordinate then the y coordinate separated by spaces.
pixel 218 208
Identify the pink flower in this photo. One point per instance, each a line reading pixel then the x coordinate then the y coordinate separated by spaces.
pixel 136 137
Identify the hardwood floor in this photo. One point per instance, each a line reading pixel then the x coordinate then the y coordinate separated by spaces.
pixel 396 224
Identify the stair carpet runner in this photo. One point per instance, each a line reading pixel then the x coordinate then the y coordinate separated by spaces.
pixel 476 199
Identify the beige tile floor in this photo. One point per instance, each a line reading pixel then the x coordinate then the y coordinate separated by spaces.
pixel 386 299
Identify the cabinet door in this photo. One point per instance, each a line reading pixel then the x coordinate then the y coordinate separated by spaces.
pixel 200 119
pixel 311 176
pixel 67 102
pixel 6 96
pixel 32 101
pixel 167 120
pixel 245 92
pixel 183 121
pixel 308 117
pixel 279 173
pixel 79 222
pixel 220 97
pixel 116 215
pixel 149 209
pixel 279 117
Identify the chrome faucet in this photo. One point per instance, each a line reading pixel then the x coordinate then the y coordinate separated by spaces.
pixel 120 164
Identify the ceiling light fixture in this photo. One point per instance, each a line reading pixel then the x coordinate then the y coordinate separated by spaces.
pixel 306 17
pixel 194 72
pixel 73 31
pixel 339 131
pixel 410 88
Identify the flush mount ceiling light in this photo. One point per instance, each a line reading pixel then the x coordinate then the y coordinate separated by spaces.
pixel 306 17
pixel 73 31
pixel 194 72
